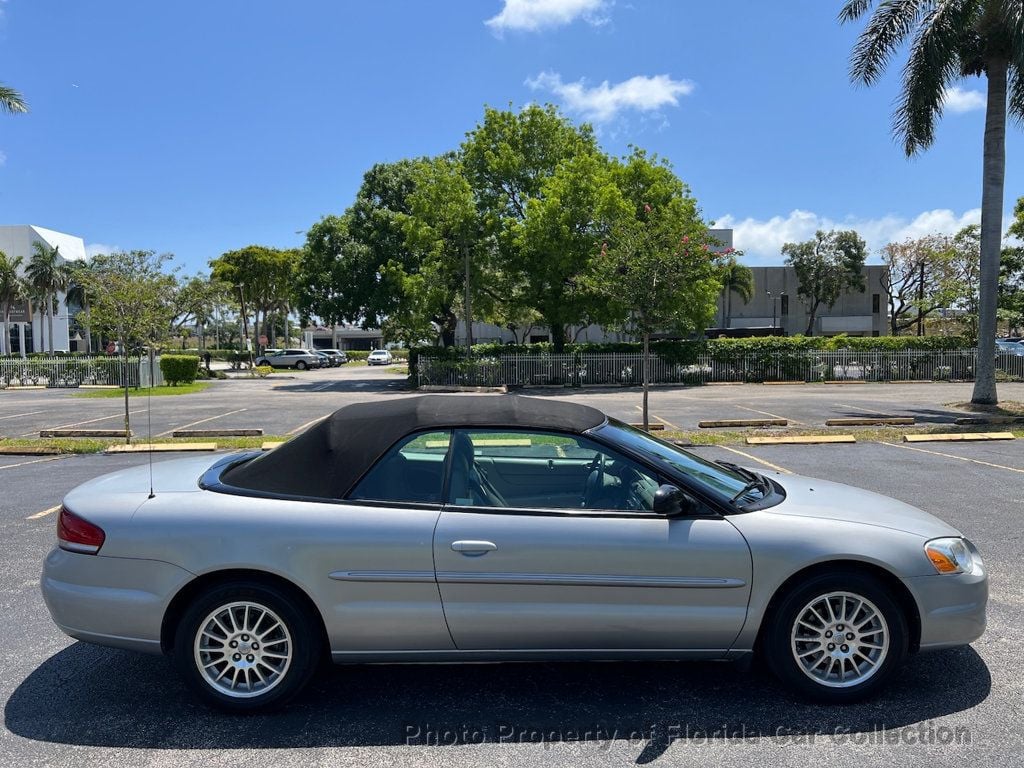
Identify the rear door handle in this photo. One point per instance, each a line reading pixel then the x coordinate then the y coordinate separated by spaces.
pixel 473 547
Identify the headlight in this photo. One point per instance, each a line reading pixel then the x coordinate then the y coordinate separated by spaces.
pixel 950 555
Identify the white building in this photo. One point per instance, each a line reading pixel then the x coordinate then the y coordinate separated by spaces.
pixel 28 329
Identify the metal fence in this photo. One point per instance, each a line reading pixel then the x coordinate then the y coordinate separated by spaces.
pixel 611 368
pixel 72 371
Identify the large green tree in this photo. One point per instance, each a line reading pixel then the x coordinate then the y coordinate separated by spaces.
pixel 445 233
pixel 557 240
pixel 510 160
pixel 950 40
pixel 658 274
pixel 262 279
pixel 12 289
pixel 826 266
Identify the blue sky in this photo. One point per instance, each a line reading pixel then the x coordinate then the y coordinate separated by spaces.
pixel 198 127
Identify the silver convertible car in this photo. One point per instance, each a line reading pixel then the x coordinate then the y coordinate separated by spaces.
pixel 453 528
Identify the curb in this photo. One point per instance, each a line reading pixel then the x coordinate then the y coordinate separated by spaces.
pixel 868 421
pixel 958 437
pixel 801 440
pixel 743 423
pixel 160 447
pixel 217 433
pixel 82 433
pixel 28 450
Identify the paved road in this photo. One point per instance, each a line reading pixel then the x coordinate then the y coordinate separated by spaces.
pixel 67 703
pixel 286 406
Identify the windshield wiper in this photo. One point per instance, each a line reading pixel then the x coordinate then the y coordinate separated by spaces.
pixel 742 471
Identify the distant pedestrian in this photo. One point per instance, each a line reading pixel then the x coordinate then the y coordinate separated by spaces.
pixel 207 357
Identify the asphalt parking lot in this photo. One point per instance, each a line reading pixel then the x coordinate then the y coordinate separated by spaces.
pixel 284 406
pixel 67 703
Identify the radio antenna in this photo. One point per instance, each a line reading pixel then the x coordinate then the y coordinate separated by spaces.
pixel 149 417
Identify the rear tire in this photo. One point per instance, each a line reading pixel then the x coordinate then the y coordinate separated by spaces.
pixel 246 647
pixel 837 638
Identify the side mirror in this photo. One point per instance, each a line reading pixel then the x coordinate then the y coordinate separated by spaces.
pixel 671 501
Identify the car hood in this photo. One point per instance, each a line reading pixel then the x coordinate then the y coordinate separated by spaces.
pixel 824 500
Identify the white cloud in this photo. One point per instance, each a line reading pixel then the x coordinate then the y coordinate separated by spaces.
pixel 761 240
pixel 94 249
pixel 533 15
pixel 958 100
pixel 605 101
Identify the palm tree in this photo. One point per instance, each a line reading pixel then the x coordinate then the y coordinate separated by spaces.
pixel 951 40
pixel 79 294
pixel 737 278
pixel 11 100
pixel 12 289
pixel 48 275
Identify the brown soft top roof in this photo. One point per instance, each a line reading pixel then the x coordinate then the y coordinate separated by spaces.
pixel 327 459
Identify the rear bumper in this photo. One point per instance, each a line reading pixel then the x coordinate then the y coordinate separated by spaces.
pixel 114 601
pixel 952 608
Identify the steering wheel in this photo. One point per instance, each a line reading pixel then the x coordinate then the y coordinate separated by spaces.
pixel 595 482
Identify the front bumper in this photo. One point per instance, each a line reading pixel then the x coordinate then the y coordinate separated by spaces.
pixel 114 601
pixel 952 608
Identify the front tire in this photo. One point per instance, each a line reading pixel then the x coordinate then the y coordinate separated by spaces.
pixel 246 647
pixel 300 365
pixel 837 638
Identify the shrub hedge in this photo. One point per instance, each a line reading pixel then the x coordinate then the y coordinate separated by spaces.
pixel 179 369
pixel 724 350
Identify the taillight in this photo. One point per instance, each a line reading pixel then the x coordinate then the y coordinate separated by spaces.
pixel 76 534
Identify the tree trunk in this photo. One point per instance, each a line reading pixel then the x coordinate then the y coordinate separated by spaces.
pixel 557 336
pixel 647 376
pixel 811 316
pixel 993 174
pixel 49 318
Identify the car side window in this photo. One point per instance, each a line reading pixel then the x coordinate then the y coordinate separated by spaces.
pixel 411 471
pixel 548 470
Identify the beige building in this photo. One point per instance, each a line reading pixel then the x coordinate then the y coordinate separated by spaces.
pixel 776 304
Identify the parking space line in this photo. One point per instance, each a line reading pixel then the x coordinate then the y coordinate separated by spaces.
pixel 322 387
pixel 773 415
pixel 668 424
pixel 90 421
pixel 201 421
pixel 33 461
pixel 44 513
pixel 954 456
pixel 875 412
pixel 30 413
pixel 307 424
pixel 751 456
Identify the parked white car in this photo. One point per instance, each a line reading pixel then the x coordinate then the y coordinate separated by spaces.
pixel 379 357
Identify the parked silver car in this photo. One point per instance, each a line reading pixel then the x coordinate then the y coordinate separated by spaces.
pixel 379 357
pixel 472 528
pixel 300 359
pixel 336 356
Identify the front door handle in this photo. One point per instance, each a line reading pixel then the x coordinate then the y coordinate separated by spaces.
pixel 473 548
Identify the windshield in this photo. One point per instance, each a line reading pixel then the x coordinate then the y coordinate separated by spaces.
pixel 733 483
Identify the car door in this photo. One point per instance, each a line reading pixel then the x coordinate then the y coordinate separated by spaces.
pixel 381 585
pixel 590 567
